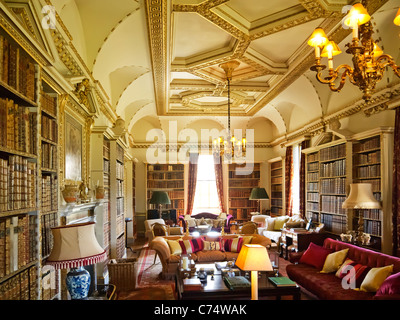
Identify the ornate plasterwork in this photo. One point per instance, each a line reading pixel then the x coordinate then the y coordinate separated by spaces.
pixel 218 13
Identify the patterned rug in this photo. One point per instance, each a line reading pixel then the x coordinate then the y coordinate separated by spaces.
pixel 149 277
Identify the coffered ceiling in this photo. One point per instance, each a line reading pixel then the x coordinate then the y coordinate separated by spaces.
pixel 159 60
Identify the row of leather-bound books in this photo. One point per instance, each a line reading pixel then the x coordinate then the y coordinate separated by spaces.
pixel 18 127
pixel 17 70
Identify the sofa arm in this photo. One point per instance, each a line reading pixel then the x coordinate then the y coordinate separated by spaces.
pixel 160 245
pixel 294 257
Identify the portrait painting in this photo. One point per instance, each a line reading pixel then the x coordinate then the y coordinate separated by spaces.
pixel 73 149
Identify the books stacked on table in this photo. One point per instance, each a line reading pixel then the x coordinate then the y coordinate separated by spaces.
pixel 282 282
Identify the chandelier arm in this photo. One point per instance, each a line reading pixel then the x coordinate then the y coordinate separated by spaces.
pixel 334 74
pixel 387 60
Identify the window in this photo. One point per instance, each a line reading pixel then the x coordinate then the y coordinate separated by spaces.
pixel 206 196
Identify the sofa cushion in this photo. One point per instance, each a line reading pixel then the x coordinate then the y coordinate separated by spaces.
pixel 197 244
pixel 280 222
pixel 375 277
pixel 315 255
pixel 210 255
pixel 353 271
pixel 187 246
pixel 273 235
pixel 229 256
pixel 232 245
pixel 334 260
pixel 391 286
pixel 174 247
pixel 212 245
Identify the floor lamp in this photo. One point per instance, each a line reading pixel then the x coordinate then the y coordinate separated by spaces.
pixel 258 194
pixel 361 197
pixel 254 258
pixel 160 198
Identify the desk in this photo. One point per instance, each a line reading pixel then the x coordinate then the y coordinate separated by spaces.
pixel 299 240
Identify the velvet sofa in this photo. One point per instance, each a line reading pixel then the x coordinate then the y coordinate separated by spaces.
pixel 328 286
pixel 213 220
pixel 170 259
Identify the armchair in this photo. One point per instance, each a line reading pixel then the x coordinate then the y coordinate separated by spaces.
pixel 148 224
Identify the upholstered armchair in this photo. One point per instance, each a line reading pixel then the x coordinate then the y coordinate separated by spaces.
pixel 168 229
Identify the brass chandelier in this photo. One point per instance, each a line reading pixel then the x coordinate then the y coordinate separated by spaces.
pixel 369 62
pixel 229 146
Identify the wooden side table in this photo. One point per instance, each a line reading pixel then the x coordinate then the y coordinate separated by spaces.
pixel 299 240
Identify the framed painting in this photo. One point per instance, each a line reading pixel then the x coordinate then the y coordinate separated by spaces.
pixel 73 149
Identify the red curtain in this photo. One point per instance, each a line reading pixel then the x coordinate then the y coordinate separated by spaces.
pixel 304 145
pixel 192 181
pixel 219 180
pixel 396 186
pixel 288 180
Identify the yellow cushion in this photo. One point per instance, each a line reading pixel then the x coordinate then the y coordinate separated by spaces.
pixel 375 278
pixel 280 222
pixel 247 239
pixel 334 260
pixel 174 247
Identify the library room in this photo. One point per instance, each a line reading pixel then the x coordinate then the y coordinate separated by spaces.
pixel 211 151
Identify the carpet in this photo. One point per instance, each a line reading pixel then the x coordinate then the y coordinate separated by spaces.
pixel 149 284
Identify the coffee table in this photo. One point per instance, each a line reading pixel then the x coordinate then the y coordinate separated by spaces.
pixel 190 288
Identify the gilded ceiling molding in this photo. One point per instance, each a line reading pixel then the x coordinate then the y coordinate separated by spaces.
pixel 176 146
pixel 157 16
pixel 24 18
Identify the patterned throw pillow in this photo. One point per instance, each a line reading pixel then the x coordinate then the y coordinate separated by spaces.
pixel 232 245
pixel 186 246
pixel 360 271
pixel 211 245
pixel 197 244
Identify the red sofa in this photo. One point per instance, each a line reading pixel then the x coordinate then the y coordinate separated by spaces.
pixel 326 286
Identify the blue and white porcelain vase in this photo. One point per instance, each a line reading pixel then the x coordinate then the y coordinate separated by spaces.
pixel 78 283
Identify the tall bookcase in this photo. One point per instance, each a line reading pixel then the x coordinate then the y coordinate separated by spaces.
pixel 367 169
pixel 326 187
pixel 240 183
pixel 169 178
pixel 366 157
pixel 28 175
pixel 48 157
pixel 277 187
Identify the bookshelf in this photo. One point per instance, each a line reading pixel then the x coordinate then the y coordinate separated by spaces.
pixel 117 200
pixel 240 183
pixel 276 182
pixel 48 157
pixel 367 168
pixel 170 178
pixel 20 243
pixel 364 157
pixel 106 221
pixel 326 182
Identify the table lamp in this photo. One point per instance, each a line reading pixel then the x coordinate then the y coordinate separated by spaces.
pixel 76 246
pixel 361 197
pixel 258 194
pixel 160 198
pixel 254 258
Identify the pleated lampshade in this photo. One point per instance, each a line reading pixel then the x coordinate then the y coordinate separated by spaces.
pixel 75 246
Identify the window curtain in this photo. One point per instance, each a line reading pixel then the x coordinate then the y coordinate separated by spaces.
pixel 192 179
pixel 288 180
pixel 396 186
pixel 219 180
pixel 304 145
